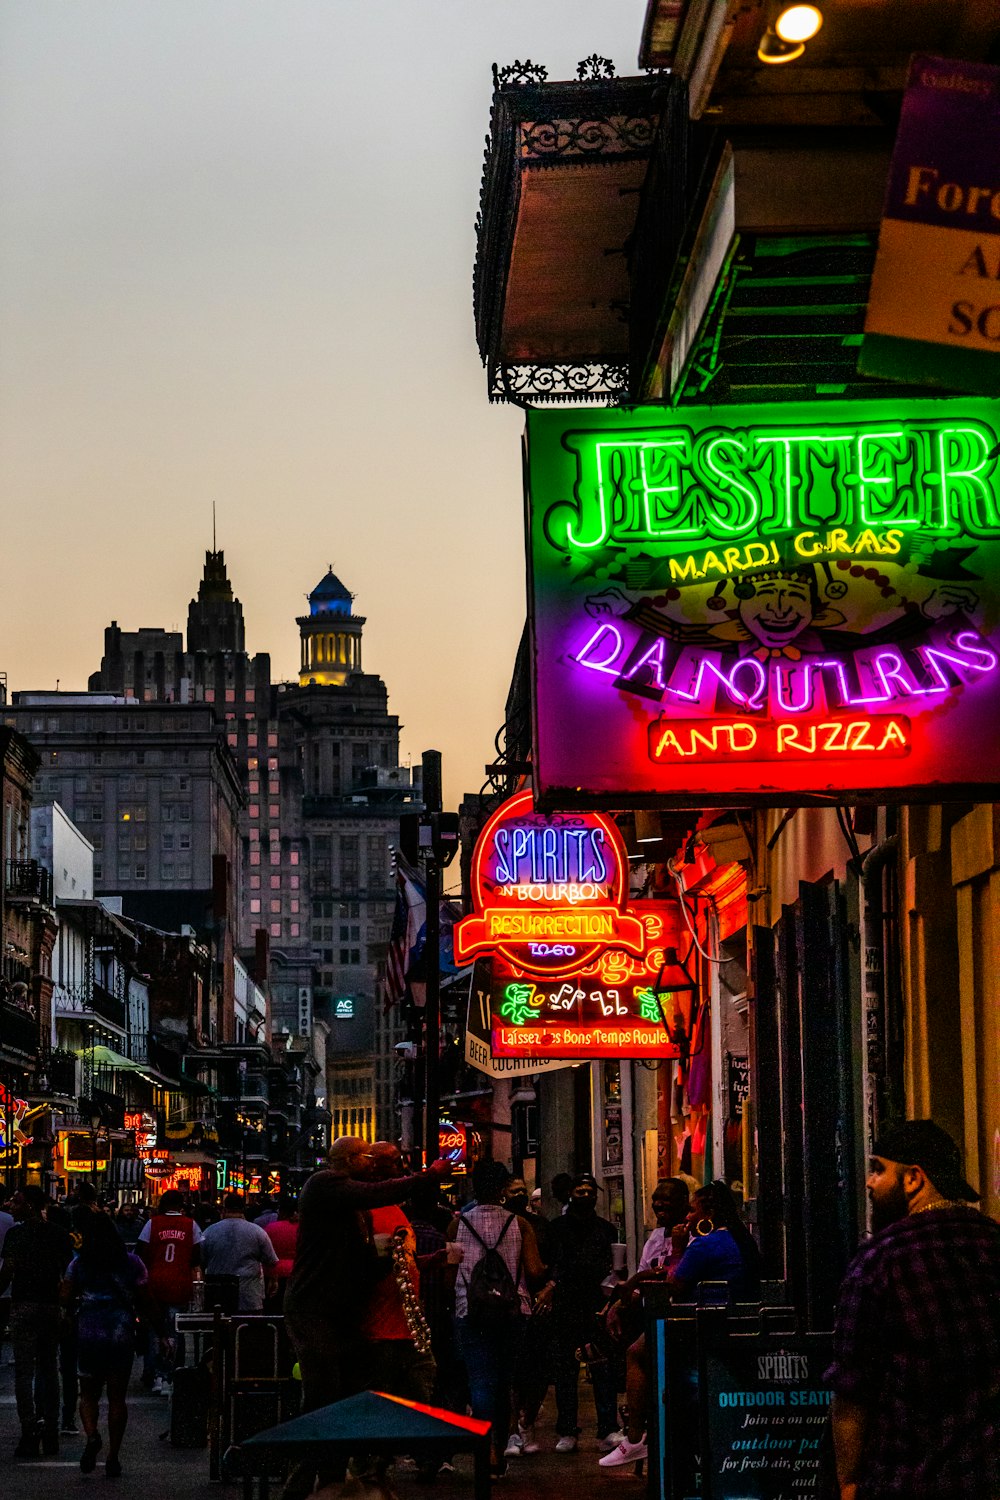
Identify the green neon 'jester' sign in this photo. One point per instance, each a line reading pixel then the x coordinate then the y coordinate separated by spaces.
pixel 676 483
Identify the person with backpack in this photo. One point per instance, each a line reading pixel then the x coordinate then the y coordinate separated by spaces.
pixel 492 1302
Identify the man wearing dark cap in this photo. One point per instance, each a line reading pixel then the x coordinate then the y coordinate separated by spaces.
pixel 916 1370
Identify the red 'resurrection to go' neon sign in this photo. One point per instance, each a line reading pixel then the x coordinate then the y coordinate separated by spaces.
pixel 577 970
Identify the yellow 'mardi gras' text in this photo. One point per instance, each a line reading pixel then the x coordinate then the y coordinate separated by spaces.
pixel 808 544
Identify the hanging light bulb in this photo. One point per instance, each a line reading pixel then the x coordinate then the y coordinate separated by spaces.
pixel 799 23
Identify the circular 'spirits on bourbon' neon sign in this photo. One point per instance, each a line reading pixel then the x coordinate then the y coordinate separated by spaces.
pixel 549 892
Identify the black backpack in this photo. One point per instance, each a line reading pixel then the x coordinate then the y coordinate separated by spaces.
pixel 491 1291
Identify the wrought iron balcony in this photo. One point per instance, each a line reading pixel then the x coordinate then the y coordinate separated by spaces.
pixel 79 1000
pixel 18 1030
pixel 28 881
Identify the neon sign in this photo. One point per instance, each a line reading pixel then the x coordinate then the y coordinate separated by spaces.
pixel 573 960
pixel 549 894
pixel 716 739
pixel 701 580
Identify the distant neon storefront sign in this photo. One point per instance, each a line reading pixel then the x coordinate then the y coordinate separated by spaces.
pixel 576 968
pixel 788 602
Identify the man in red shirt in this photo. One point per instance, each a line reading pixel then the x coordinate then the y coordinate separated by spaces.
pixel 394 1327
pixel 168 1245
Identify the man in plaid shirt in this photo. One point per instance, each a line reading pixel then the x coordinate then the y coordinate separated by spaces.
pixel 916 1370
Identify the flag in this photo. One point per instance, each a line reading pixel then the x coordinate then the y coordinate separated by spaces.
pixel 408 925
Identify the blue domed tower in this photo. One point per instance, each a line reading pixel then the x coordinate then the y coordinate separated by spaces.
pixel 330 635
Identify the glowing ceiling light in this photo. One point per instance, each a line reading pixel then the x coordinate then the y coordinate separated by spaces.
pixel 799 23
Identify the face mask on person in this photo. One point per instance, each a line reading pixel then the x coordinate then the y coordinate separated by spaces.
pixel 583 1202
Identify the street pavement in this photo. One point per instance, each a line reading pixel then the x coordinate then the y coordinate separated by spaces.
pixel 153 1470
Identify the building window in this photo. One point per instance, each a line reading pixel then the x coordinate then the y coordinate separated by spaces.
pixel 254 787
pixel 275 929
pixel 232 740
pixel 98 842
pixel 183 869
pixel 140 872
pixel 276 904
pixel 274 810
pixel 295 929
pixel 183 783
pixel 272 742
pixel 251 742
pixel 184 812
pixel 350 955
pixel 183 841
pixel 166 839
pixel 167 813
pixel 98 872
pixel 293 882
pixel 273 787
pixel 293 858
pixel 255 905
pixel 276 856
pixel 139 840
pixel 230 695
pixel 250 695
pixel 255 882
pixel 255 835
pixel 210 695
pixel 255 856
pixel 275 882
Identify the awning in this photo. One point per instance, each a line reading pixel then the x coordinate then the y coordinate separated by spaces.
pixel 107 1057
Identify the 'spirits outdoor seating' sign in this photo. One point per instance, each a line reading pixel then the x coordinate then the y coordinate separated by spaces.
pixel 576 969
pixel 764 603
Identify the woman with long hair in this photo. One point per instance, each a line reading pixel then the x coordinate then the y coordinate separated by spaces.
pixel 108 1282
pixel 719 1249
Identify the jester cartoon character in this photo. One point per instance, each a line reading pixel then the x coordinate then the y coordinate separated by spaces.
pixel 790 610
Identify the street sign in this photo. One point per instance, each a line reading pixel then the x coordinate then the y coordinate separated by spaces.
pixel 765 604
pixel 934 304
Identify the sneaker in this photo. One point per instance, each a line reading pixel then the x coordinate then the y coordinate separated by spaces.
pixel 158 1388
pixel 625 1453
pixel 446 1468
pixel 610 1440
pixel 529 1443
pixel 566 1445
pixel 69 1427
pixel 515 1446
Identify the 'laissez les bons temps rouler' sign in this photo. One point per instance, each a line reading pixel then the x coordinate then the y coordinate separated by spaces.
pixel 768 603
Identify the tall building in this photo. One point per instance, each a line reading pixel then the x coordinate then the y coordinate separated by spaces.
pixel 158 796
pixel 318 762
pixel 337 731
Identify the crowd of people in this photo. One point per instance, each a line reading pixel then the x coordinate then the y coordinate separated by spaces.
pixel 87 1286
pixel 385 1283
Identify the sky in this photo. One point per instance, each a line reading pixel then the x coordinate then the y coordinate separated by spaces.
pixel 236 255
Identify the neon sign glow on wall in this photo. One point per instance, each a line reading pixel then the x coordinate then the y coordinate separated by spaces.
pixel 785 602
